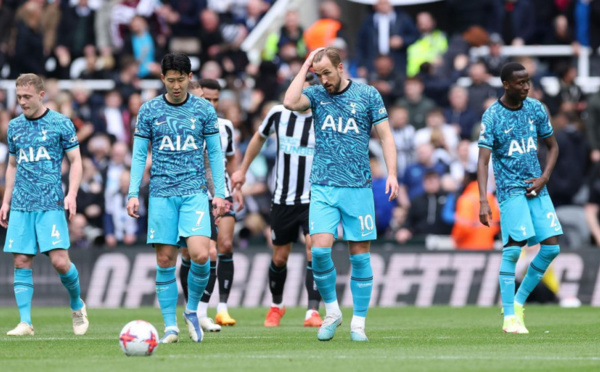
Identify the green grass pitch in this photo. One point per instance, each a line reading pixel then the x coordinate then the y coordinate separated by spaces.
pixel 401 339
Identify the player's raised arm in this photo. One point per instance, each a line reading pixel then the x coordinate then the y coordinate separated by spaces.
pixel 294 99
pixel 483 161
pixel 9 185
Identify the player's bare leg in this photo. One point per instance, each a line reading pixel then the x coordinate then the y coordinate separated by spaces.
pixel 23 287
pixel 166 290
pixel 277 276
pixel 225 269
pixel 184 271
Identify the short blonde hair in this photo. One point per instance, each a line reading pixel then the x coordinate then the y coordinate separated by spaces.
pixel 332 53
pixel 30 79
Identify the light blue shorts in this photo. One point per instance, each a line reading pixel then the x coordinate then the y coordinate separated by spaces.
pixel 533 220
pixel 29 232
pixel 172 219
pixel 353 206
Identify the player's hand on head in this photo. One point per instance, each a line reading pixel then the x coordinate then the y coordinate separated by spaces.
pixel 485 213
pixel 71 206
pixel 133 206
pixel 312 55
pixel 4 215
pixel 392 187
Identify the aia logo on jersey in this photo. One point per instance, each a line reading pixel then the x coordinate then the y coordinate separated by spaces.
pixel 521 147
pixel 29 155
pixel 330 123
pixel 168 144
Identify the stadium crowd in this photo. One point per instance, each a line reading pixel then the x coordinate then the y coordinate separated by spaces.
pixel 413 64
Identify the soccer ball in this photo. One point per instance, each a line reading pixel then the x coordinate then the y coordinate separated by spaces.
pixel 138 338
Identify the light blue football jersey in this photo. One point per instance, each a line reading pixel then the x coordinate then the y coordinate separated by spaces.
pixel 177 133
pixel 512 135
pixel 343 124
pixel 39 146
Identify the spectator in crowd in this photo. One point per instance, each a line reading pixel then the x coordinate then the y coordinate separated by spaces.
pixel 517 18
pixel 466 161
pixel 425 213
pixel 121 13
pixel 291 33
pixel 442 136
pixel 464 15
pixel 386 79
pixel 7 15
pixel 494 60
pixel 592 126
pixel 468 232
pixel 592 207
pixel 413 177
pixel 255 10
pixel 99 148
pixel 404 135
pixel 327 28
pixel 141 46
pixel 183 19
pixel 480 89
pixel 90 199
pixel 114 119
pixel 415 102
pixel 118 227
pixel 120 160
pixel 570 167
pixel 570 97
pixel 383 206
pixel 75 33
pixel 458 114
pixel 127 81
pixel 385 32
pixel 28 44
pixel 429 47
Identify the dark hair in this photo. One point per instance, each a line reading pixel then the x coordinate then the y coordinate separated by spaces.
pixel 193 85
pixel 177 62
pixel 210 84
pixel 508 69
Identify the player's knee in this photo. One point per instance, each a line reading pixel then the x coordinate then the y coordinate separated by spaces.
pixel 200 258
pixel 61 264
pixel 185 254
pixel 225 246
pixel 279 260
pixel 23 262
pixel 549 251
pixel 511 254
pixel 164 261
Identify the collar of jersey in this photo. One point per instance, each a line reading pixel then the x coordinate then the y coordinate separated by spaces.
pixel 175 104
pixel 508 108
pixel 345 89
pixel 39 117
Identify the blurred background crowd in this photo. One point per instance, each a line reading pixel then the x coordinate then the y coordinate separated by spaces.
pixel 417 57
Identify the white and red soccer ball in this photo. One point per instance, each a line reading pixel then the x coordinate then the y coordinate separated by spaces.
pixel 138 338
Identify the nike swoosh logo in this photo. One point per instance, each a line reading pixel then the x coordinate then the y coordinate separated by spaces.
pixel 196 228
pixel 365 234
pixel 16 137
pixel 55 243
pixel 508 130
pixel 162 122
pixel 325 103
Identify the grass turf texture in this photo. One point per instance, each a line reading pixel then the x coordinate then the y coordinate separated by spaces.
pixel 401 339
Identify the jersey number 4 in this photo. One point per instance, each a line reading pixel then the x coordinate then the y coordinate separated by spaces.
pixel 55 233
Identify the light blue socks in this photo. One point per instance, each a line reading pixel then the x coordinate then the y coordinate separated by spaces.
pixel 70 280
pixel 510 256
pixel 536 271
pixel 324 273
pixel 23 287
pixel 166 291
pixel 361 282
pixel 197 280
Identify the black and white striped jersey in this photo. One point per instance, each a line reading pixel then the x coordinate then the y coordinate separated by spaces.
pixel 295 151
